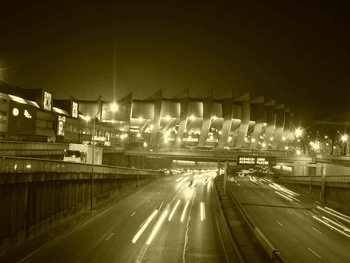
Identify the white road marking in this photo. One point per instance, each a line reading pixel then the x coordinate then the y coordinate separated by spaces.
pixel 133 213
pixel 262 207
pixel 317 230
pixel 279 223
pixel 148 200
pixel 158 193
pixel 109 236
pixel 289 211
pixel 314 252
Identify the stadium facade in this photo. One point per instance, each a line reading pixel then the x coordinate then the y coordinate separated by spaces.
pixel 182 121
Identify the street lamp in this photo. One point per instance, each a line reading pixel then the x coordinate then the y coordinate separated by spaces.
pixel 113 107
pixel 138 159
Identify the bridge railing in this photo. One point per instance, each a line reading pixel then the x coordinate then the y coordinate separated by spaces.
pixel 17 145
pixel 26 165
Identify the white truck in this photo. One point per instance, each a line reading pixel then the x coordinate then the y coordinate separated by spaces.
pixel 82 153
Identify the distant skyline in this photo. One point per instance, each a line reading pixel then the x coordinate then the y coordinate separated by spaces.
pixel 296 53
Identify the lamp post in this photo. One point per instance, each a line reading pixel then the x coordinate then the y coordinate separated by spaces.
pixel 138 159
pixel 113 107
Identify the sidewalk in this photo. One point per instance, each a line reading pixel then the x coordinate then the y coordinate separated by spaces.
pixel 247 244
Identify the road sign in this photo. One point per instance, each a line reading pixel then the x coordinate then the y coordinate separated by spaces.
pixel 257 160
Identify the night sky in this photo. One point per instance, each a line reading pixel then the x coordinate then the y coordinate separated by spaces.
pixel 296 53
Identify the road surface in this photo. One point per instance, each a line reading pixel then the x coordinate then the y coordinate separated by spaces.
pixel 170 220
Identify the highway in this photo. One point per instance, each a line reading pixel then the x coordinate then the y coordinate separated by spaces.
pixel 170 220
pixel 301 229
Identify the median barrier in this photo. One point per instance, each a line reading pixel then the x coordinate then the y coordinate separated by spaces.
pixel 269 248
pixel 273 253
pixel 231 250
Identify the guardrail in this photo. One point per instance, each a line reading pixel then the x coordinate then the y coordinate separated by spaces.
pixel 26 165
pixel 230 247
pixel 15 145
pixel 269 248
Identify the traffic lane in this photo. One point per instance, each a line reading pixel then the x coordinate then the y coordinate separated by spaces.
pixel 80 242
pixel 170 238
pixel 174 236
pixel 299 229
pixel 204 242
pixel 115 249
pixel 249 193
pixel 300 239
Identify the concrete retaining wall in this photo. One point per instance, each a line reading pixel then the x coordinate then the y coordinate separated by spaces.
pixel 31 203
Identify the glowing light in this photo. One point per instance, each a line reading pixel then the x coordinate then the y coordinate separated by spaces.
pixel 192 117
pixel 298 132
pixel 253 139
pixel 172 213
pixel 184 212
pixel 167 118
pixel 202 211
pixel 284 138
pixel 140 119
pixel 159 223
pixel 114 107
pixel 136 237
pixel 138 135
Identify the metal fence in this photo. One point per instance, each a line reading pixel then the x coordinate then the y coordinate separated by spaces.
pixel 26 165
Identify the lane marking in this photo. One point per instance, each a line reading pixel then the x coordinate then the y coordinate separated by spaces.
pixel 289 211
pixel 148 200
pixel 184 212
pixel 159 223
pixel 171 215
pixel 314 252
pixel 149 219
pixel 279 223
pixel 252 197
pixel 133 213
pixel 158 193
pixel 262 207
pixel 316 230
pixel 109 236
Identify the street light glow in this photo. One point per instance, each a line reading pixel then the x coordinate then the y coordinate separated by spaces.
pixel 298 132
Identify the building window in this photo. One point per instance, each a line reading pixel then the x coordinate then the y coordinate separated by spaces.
pixel 3 116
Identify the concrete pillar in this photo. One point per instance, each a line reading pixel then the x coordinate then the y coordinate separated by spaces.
pixel 218 167
pixel 127 101
pixel 259 117
pixel 279 126
pixel 244 102
pixel 286 128
pixel 227 113
pixel 184 101
pixel 157 98
pixel 271 122
pixel 225 179
pixel 323 186
pixel 207 114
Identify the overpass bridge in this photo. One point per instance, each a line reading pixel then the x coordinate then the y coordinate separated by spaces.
pixel 53 150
